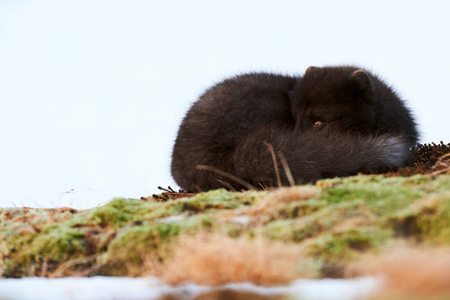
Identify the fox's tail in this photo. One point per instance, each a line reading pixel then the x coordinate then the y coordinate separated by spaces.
pixel 311 156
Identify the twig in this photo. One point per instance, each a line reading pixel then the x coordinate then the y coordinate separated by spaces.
pixel 225 174
pixel 227 185
pixel 286 169
pixel 275 164
pixel 441 166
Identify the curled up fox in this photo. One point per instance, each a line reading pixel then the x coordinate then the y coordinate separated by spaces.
pixel 332 121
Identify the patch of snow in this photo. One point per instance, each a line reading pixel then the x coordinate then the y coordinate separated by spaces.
pixel 171 219
pixel 327 289
pixel 114 288
pixel 242 220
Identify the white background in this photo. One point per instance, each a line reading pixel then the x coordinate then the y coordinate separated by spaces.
pixel 92 92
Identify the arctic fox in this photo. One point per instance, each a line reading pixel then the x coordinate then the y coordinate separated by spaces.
pixel 332 121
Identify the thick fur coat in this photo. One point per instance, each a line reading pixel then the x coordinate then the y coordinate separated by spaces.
pixel 333 121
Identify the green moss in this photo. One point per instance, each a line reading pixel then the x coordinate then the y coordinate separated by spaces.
pixel 13 261
pixel 293 230
pixel 279 230
pixel 383 197
pixel 344 218
pixel 58 243
pixel 210 201
pixel 436 227
pixel 339 246
pixel 142 238
pixel 217 199
pixel 299 209
pixel 27 252
pixel 117 213
pixel 426 220
pixel 206 221
pixel 134 245
pixel 371 192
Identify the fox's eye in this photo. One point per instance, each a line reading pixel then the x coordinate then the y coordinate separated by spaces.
pixel 318 123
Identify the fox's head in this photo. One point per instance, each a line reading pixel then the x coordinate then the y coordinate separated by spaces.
pixel 335 98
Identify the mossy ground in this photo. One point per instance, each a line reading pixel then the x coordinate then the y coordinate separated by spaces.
pixel 329 225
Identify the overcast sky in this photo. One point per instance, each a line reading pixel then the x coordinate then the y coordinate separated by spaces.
pixel 92 92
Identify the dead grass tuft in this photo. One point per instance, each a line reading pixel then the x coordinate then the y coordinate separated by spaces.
pixel 412 272
pixel 285 196
pixel 213 259
pixel 168 194
pixel 442 166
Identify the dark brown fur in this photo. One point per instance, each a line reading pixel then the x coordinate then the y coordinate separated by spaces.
pixel 333 121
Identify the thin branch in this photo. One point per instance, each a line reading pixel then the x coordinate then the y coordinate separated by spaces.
pixel 286 169
pixel 227 175
pixel 275 164
pixel 227 185
pixel 441 166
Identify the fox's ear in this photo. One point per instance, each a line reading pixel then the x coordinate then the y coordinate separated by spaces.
pixel 362 80
pixel 311 69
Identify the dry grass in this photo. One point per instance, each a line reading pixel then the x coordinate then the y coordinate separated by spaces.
pixel 285 196
pixel 442 165
pixel 212 259
pixel 412 273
